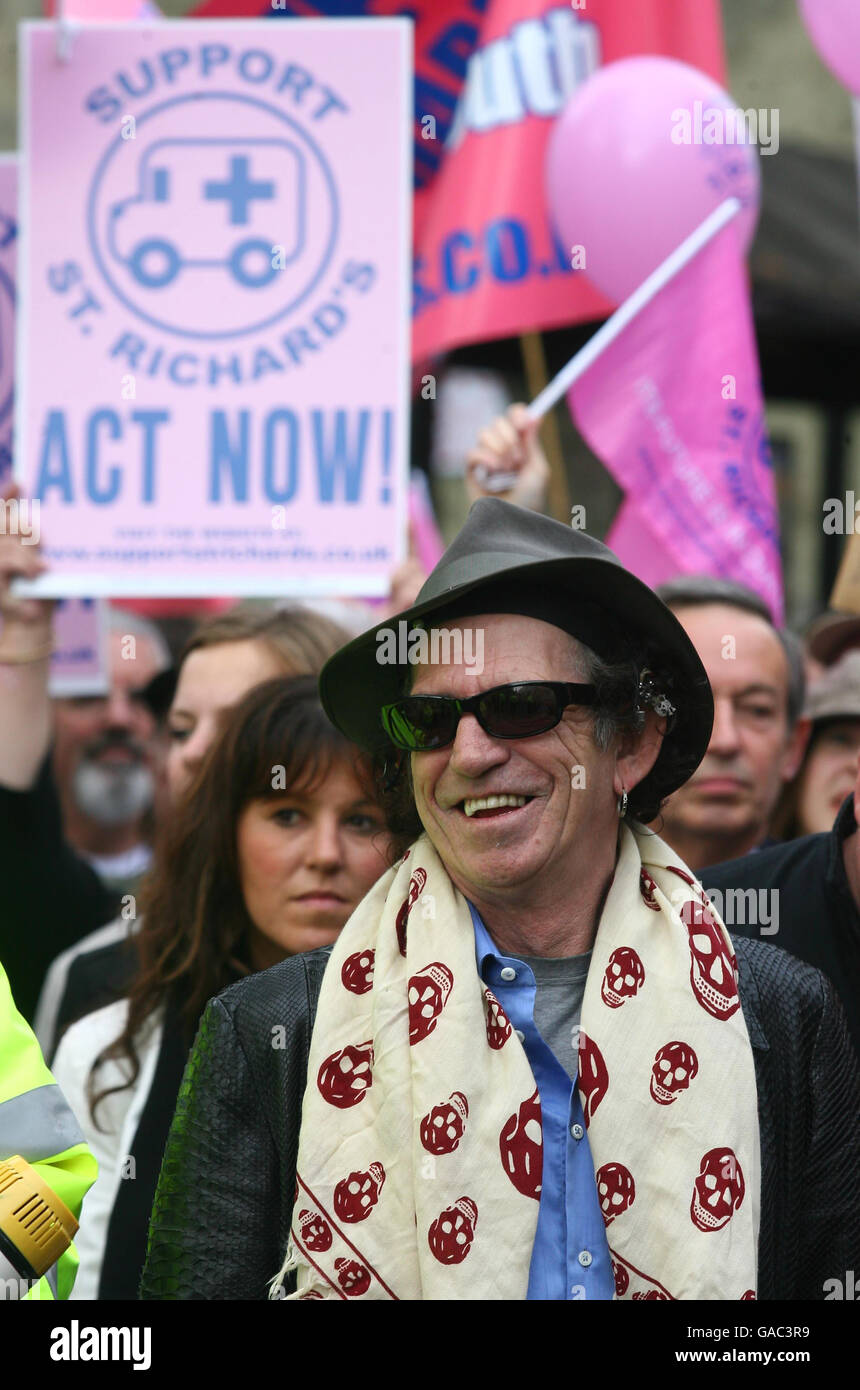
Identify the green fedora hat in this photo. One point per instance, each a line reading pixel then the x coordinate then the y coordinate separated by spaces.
pixel 507 559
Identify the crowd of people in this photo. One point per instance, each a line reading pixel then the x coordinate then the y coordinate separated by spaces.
pixel 630 835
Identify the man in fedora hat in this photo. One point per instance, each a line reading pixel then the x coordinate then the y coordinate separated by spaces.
pixel 534 1065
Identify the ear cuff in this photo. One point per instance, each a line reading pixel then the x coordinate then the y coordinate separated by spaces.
pixel 650 695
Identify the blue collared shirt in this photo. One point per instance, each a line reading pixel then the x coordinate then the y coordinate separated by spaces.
pixel 570 1256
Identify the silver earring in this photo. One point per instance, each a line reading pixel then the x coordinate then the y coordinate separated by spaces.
pixel 621 805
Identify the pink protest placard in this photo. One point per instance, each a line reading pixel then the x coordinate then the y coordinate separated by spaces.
pixel 8 257
pixel 213 343
pixel 79 659
pixel 674 409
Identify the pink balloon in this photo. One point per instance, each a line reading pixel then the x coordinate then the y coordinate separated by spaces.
pixel 834 27
pixel 622 183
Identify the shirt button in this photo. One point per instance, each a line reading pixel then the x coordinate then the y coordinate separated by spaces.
pixel 508 972
pixel 520 1034
pixel 585 1258
pixel 576 1131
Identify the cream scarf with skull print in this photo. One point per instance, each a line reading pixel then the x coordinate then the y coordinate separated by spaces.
pixel 419 1164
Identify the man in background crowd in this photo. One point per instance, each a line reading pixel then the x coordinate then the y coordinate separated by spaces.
pixel 58 837
pixel 829 637
pixel 757 677
pixel 106 757
pixel 829 766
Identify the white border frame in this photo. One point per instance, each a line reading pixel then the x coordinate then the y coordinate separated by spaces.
pixel 95 584
pixel 15 157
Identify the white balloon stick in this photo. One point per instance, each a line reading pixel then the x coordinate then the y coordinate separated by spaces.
pixel 610 330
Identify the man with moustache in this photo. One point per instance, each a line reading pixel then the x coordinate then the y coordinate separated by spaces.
pixel 533 1064
pixel 106 757
pixel 756 674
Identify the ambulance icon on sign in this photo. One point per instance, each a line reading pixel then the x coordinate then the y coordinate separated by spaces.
pixel 204 203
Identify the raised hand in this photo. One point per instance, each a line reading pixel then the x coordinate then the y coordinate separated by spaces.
pixel 508 461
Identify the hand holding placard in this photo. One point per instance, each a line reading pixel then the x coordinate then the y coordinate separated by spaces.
pixel 25 632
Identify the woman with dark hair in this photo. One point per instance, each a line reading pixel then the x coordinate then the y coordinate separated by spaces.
pixel 224 658
pixel 277 839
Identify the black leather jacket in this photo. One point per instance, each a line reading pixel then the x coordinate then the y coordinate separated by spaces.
pixel 224 1202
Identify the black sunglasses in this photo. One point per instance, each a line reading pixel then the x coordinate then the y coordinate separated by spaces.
pixel 521 710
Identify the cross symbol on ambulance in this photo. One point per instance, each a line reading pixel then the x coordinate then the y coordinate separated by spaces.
pixel 239 190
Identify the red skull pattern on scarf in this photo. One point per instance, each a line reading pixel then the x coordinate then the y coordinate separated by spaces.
pixel 345 1077
pixel 713 968
pixel 498 1024
pixel 416 888
pixel 353 1278
pixel 616 1190
pixel 357 1195
pixel 315 1230
pixel 357 972
pixel 352 1219
pixel 452 1233
pixel 427 994
pixel 521 1147
pixel 593 1076
pixel 623 977
pixel 444 1126
pixel 675 1066
pixel 718 1190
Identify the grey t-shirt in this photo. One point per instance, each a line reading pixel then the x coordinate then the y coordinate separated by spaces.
pixel 559 990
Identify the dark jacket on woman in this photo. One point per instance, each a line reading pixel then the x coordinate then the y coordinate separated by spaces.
pixel 224 1201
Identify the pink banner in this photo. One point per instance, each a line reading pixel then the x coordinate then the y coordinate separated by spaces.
pixel 631 536
pixel 487 264
pixel 214 355
pixel 674 409
pixel 8 260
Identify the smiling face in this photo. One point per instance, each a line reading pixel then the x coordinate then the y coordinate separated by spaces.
pixel 306 859
pixel 510 850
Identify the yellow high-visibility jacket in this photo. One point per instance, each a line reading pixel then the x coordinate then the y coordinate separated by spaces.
pixel 36 1123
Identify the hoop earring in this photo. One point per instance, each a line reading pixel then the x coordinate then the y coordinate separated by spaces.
pixel 621 806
